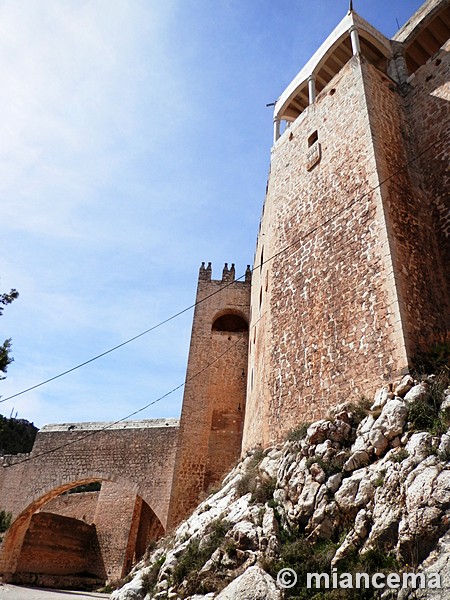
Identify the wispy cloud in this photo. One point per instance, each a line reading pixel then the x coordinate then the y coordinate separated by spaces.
pixel 135 142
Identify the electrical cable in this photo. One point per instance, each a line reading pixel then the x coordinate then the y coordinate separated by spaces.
pixel 308 233
pixel 139 410
pixel 181 312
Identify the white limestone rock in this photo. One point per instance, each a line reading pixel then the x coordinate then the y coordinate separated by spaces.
pixel 381 397
pixel 134 590
pixel 306 501
pixel 269 466
pixel 333 483
pixel 253 584
pixel 317 473
pixel 245 535
pixel 318 432
pixel 404 386
pixel 358 459
pixel 419 445
pixel 392 419
pixel 445 405
pixel 366 425
pixel 378 441
pixel 395 484
pixel 323 448
pixel 444 446
pixel 418 392
pixel 355 492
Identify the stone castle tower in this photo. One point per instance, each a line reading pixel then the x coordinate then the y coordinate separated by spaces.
pixel 351 273
pixel 352 266
pixel 212 416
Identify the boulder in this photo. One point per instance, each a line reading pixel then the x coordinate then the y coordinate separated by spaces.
pixel 134 590
pixel 381 397
pixel 404 386
pixel 253 584
pixel 358 459
pixel 418 392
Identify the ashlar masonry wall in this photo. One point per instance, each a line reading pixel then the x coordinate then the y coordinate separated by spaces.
pixel 427 104
pixel 214 398
pixel 59 545
pixel 412 221
pixel 327 302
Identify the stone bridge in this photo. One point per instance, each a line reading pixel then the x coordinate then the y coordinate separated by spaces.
pixel 133 460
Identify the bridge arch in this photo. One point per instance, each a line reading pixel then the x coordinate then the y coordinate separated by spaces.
pixel 118 501
pixel 133 460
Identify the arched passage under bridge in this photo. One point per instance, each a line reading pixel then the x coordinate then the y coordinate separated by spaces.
pixel 134 460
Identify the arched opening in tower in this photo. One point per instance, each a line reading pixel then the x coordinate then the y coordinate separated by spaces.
pixel 227 384
pixel 230 322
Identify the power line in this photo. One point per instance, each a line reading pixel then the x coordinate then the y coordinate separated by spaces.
pixel 83 364
pixel 181 312
pixel 139 410
pixel 206 367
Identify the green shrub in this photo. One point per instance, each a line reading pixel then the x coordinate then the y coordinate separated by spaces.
pixel 360 409
pixel 434 359
pixel 5 520
pixel 150 578
pixel 399 456
pixel 425 417
pixel 380 479
pixel 16 435
pixel 194 558
pixel 263 491
pixel 425 414
pixel 246 483
pixel 305 556
pixel 329 467
pixel 298 433
pixel 94 486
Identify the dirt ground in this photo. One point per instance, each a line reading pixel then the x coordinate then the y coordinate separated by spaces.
pixel 13 592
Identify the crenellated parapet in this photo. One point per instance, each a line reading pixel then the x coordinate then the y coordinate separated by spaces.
pixel 228 274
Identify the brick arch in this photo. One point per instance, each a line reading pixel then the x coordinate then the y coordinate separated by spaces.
pixel 60 485
pixel 137 456
pixel 15 536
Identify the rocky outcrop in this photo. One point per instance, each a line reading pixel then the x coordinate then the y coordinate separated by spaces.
pixel 358 485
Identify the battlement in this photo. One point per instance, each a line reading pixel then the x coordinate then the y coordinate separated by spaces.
pixel 105 425
pixel 228 274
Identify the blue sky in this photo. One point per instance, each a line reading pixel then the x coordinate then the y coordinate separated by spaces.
pixel 135 143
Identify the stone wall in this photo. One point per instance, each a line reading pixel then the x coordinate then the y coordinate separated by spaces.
pixel 58 545
pixel 411 224
pixel 81 506
pixel 349 273
pixel 138 457
pixel 328 293
pixel 428 109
